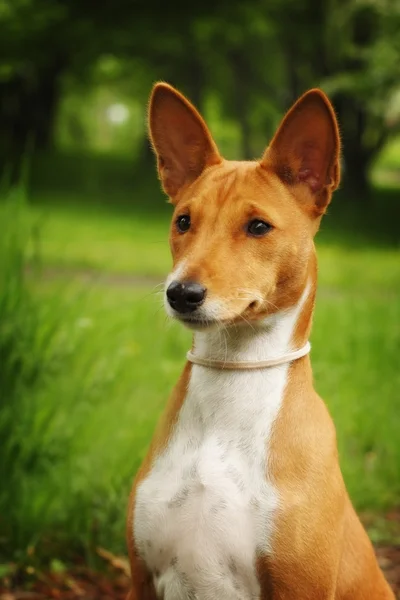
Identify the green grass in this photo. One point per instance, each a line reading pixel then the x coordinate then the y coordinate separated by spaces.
pixel 113 360
pixel 100 398
pixel 115 357
pixel 74 367
pixel 87 367
pixel 83 233
pixel 92 236
pixel 97 238
pixel 356 340
pixel 114 218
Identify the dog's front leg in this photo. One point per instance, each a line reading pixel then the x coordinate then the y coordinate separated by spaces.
pixel 142 587
pixel 310 576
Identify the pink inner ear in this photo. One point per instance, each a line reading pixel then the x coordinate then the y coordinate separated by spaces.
pixel 312 165
pixel 313 180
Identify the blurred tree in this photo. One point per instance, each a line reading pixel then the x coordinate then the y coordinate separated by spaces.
pixel 42 40
pixel 352 49
pixel 236 47
pixel 32 61
pixel 255 58
pixel 363 77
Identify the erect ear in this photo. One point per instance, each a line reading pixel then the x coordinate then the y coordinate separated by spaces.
pixel 306 149
pixel 180 138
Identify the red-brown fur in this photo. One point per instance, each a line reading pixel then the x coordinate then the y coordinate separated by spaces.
pixel 320 550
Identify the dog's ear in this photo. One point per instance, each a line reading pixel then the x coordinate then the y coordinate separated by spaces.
pixel 180 138
pixel 305 151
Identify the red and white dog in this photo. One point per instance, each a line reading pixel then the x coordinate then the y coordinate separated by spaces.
pixel 241 496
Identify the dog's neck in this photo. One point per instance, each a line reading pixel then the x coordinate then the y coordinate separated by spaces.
pixel 270 339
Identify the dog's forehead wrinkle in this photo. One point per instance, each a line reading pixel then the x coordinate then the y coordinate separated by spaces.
pixel 235 184
pixel 220 181
pixel 224 192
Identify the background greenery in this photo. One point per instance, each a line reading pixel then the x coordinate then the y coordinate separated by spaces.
pixel 86 354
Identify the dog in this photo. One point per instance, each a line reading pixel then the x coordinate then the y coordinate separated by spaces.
pixel 240 496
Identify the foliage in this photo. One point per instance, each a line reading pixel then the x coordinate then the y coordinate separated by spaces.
pixel 27 358
pixel 250 60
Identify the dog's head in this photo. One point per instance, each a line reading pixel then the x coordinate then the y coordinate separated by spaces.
pixel 242 232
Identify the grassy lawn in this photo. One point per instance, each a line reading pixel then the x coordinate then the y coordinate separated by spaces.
pixel 86 235
pixel 98 361
pixel 99 238
pixel 113 359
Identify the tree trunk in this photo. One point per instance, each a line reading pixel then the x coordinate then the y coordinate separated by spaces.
pixel 357 155
pixel 146 155
pixel 47 100
pixel 28 105
pixel 241 101
pixel 195 78
pixel 292 63
pixel 355 177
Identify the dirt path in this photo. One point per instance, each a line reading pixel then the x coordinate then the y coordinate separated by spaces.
pixel 117 280
pixel 93 277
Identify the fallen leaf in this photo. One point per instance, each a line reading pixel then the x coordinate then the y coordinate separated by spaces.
pixel 118 562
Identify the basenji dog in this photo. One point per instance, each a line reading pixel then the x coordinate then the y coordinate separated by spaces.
pixel 240 496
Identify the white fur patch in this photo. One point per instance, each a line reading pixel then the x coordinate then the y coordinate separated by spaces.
pixel 207 506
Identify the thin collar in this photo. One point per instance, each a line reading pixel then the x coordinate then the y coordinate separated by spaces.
pixel 248 364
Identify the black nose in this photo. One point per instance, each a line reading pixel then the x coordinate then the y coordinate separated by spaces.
pixel 185 297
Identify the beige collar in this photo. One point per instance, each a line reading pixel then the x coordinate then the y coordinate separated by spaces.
pixel 248 364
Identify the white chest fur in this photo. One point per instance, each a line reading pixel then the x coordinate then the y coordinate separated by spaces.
pixel 207 505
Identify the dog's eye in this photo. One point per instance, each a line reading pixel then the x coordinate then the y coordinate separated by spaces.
pixel 258 228
pixel 183 223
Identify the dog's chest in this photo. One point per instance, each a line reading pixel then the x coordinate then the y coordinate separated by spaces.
pixel 206 508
